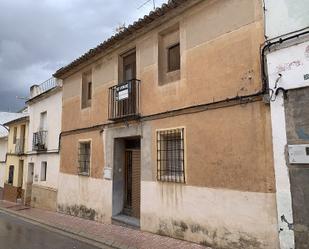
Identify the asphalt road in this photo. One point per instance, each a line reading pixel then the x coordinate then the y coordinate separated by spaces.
pixel 18 234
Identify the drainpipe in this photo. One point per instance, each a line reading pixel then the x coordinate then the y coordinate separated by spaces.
pixel 283 188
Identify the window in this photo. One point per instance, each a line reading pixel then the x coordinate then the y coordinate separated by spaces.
pixel 14 135
pixel 89 90
pixel 174 58
pixel 43 121
pixel 43 171
pixel 84 158
pixel 170 155
pixel 86 89
pixel 169 56
pixel 11 174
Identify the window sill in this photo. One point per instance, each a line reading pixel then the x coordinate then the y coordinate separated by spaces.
pixel 171 179
pixel 169 82
pixel 83 174
pixel 176 71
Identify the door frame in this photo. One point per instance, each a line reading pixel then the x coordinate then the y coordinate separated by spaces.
pixel 121 66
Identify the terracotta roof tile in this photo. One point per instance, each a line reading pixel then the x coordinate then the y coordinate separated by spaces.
pixel 140 23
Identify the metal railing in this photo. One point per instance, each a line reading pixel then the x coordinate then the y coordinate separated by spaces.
pixel 20 146
pixel 39 142
pixel 44 87
pixel 124 100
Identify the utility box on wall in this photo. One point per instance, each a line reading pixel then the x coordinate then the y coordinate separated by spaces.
pixel 299 154
pixel 108 173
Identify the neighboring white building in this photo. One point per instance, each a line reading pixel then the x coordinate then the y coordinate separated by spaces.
pixel 44 106
pixel 4 118
pixel 287 64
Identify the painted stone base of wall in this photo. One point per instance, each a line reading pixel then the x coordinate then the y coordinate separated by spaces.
pixel 45 198
pixel 10 192
pixel 216 218
pixel 27 196
pixel 85 197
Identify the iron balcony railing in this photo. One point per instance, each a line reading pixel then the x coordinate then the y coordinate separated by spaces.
pixel 43 87
pixel 124 100
pixel 39 142
pixel 20 146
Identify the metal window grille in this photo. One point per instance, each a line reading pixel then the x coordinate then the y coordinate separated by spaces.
pixel 39 141
pixel 170 155
pixel 84 158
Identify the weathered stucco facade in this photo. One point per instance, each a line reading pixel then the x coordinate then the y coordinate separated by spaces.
pixel 45 107
pixel 290 128
pixel 287 61
pixel 3 151
pixel 228 197
pixel 14 187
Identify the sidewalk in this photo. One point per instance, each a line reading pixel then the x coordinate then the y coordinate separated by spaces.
pixel 106 234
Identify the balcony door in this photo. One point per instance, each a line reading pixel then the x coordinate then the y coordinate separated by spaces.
pixel 127 88
pixel 129 66
pixel 43 121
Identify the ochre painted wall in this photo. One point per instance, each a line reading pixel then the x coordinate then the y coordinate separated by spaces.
pixel 12 158
pixel 69 153
pixel 225 148
pixel 219 59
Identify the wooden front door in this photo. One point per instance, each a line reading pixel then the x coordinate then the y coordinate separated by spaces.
pixel 132 191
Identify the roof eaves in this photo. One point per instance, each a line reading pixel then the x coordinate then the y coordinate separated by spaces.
pixel 21 119
pixel 137 25
pixel 42 95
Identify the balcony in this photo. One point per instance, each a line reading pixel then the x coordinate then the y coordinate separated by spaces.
pixel 20 146
pixel 39 142
pixel 47 85
pixel 124 101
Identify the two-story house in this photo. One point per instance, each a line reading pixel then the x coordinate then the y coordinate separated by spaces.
pixel 4 133
pixel 44 107
pixel 164 127
pixel 14 187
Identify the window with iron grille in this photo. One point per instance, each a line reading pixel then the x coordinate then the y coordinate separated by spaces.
pixel 170 155
pixel 84 158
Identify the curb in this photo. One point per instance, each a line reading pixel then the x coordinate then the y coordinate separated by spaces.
pixel 102 244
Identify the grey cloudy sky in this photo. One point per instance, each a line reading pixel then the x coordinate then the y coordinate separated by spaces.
pixel 39 36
